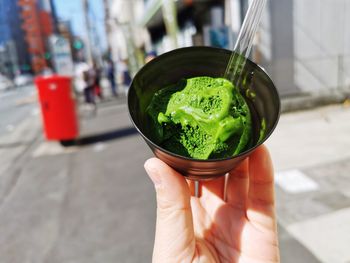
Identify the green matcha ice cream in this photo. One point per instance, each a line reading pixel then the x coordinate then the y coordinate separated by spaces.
pixel 202 117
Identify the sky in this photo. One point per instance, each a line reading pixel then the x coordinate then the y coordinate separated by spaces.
pixel 73 10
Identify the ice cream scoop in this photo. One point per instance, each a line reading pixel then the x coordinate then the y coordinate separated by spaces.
pixel 202 118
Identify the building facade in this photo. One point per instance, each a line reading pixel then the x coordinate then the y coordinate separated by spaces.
pixel 305 45
pixel 4 26
pixel 12 40
pixel 34 33
pixel 25 26
pixel 322 44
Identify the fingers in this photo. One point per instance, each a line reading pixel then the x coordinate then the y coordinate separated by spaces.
pixel 261 185
pixel 237 185
pixel 174 227
pixel 214 187
pixel 261 198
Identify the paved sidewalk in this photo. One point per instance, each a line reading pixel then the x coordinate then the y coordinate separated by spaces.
pixel 94 202
pixel 311 154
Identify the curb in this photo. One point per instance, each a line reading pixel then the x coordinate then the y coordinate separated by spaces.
pixel 307 101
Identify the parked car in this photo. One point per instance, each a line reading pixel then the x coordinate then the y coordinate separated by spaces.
pixel 23 80
pixel 5 83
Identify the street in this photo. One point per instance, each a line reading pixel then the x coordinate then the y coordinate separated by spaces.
pixel 86 198
pixel 15 106
pixel 94 203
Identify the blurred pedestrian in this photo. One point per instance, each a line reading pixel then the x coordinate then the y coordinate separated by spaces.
pixel 111 77
pixel 126 74
pixel 89 94
pixel 79 79
pixel 150 56
pixel 97 77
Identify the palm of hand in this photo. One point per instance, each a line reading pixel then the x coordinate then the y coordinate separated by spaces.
pixel 223 233
pixel 238 228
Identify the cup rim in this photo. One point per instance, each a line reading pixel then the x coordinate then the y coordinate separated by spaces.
pixel 242 154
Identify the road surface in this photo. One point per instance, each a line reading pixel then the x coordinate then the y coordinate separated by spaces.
pixel 15 106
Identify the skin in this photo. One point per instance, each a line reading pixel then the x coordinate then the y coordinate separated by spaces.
pixel 211 228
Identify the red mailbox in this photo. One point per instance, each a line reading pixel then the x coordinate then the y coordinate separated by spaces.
pixel 58 107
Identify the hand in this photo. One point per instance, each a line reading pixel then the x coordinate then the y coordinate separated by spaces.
pixel 241 228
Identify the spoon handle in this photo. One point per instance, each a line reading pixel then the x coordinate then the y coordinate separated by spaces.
pixel 245 39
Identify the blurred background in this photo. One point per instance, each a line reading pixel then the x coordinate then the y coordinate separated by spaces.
pixel 80 194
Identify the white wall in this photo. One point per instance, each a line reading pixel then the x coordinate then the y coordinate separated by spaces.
pixel 322 44
pixel 127 12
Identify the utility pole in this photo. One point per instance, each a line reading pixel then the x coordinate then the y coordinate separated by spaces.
pixel 108 27
pixel 88 30
pixel 170 20
pixel 54 16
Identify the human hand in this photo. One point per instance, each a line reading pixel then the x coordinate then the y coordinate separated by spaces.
pixel 241 228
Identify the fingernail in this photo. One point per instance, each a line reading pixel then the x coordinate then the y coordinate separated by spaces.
pixel 153 174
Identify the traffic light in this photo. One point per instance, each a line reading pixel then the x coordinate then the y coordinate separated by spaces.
pixel 78 44
pixel 47 55
pixel 26 67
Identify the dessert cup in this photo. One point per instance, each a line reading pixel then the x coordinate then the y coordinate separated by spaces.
pixel 255 85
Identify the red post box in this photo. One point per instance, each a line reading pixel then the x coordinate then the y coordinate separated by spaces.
pixel 58 107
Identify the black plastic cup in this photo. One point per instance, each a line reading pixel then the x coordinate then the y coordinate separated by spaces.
pixel 255 85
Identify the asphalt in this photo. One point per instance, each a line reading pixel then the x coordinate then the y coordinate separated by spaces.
pixel 93 202
pixel 86 203
pixel 15 106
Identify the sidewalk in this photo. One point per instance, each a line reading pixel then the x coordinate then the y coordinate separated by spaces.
pixel 311 154
pixel 94 202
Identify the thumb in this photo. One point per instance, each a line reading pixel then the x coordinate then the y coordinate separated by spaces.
pixel 174 238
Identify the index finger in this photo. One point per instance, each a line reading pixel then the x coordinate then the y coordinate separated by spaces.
pixel 261 194
pixel 261 179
